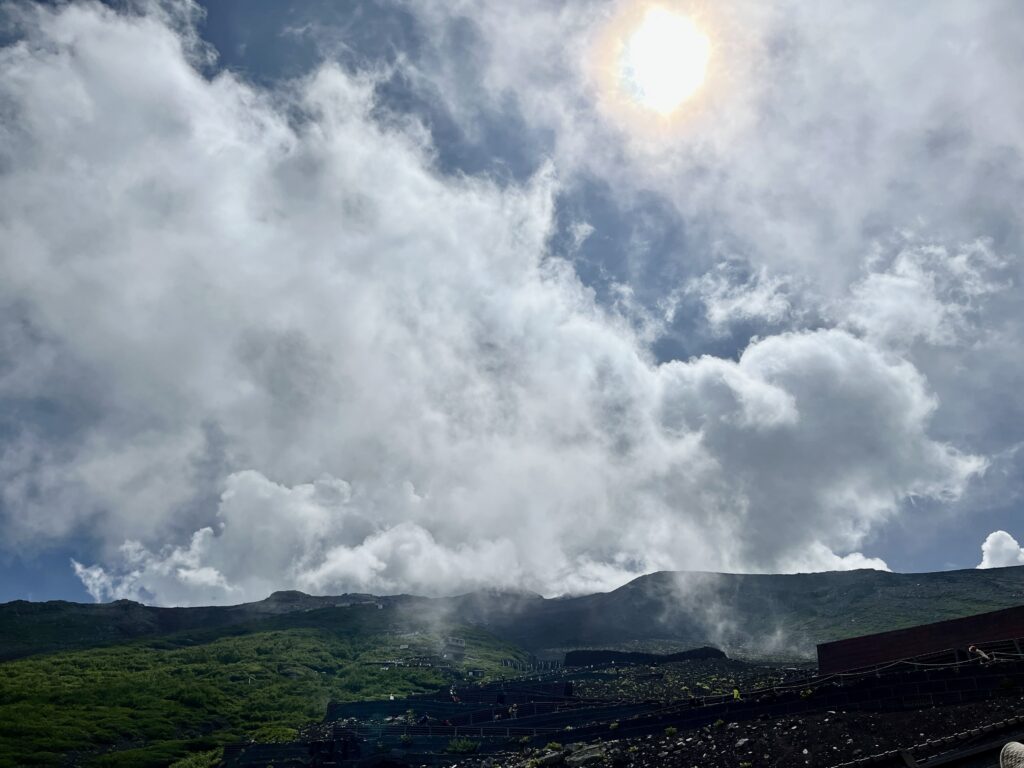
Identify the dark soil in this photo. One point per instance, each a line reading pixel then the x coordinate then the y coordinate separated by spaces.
pixel 824 740
pixel 681 680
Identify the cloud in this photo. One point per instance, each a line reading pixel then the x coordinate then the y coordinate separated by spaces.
pixel 924 292
pixel 999 550
pixel 819 557
pixel 729 296
pixel 805 142
pixel 174 576
pixel 257 339
pixel 697 494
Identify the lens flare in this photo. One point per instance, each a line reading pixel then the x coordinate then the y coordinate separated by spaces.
pixel 664 60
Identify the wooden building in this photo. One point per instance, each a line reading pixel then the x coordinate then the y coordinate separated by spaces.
pixel 945 640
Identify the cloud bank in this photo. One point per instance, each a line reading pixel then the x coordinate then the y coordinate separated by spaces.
pixel 257 339
pixel 1000 550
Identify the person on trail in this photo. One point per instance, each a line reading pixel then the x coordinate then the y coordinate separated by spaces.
pixel 736 695
pixel 975 650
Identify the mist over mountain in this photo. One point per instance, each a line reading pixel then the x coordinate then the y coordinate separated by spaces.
pixel 757 616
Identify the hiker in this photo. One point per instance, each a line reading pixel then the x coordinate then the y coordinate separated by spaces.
pixel 985 658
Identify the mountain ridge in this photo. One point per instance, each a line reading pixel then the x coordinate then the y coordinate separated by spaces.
pixel 746 614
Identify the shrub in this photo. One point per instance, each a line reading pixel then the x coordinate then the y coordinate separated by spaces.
pixel 462 746
pixel 553 746
pixel 274 733
pixel 671 731
pixel 209 759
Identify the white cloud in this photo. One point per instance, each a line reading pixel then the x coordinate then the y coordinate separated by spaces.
pixel 819 557
pixel 284 351
pixel 761 297
pixel 999 550
pixel 176 575
pixel 923 292
pixel 805 142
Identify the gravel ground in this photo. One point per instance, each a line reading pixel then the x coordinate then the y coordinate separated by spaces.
pixel 680 680
pixel 820 741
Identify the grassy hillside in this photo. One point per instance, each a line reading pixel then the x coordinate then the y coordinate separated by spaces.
pixel 149 702
pixel 27 628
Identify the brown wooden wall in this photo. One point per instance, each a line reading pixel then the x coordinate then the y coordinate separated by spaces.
pixel 874 650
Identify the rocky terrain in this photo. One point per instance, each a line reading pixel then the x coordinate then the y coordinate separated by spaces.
pixel 676 715
pixel 698 677
pixel 820 741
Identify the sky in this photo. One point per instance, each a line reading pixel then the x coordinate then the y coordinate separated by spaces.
pixel 430 297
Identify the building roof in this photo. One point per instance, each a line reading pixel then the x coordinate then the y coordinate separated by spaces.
pixel 874 650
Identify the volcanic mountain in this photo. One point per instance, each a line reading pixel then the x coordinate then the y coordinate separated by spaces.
pixel 780 616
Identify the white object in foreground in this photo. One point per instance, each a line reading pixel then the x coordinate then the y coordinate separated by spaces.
pixel 1012 755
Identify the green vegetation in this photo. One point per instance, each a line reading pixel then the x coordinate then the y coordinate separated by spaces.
pixel 209 759
pixel 181 697
pixel 462 746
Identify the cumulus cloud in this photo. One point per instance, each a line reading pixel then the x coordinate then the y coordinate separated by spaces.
pixel 258 339
pixel 819 557
pixel 999 550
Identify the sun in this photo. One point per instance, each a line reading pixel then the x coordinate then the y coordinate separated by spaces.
pixel 664 59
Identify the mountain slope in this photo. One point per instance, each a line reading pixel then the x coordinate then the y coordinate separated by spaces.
pixel 149 702
pixel 754 615
pixel 751 615
pixel 27 628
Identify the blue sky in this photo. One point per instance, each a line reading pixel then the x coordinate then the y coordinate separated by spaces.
pixel 403 296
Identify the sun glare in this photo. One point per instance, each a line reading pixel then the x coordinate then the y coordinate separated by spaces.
pixel 664 60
